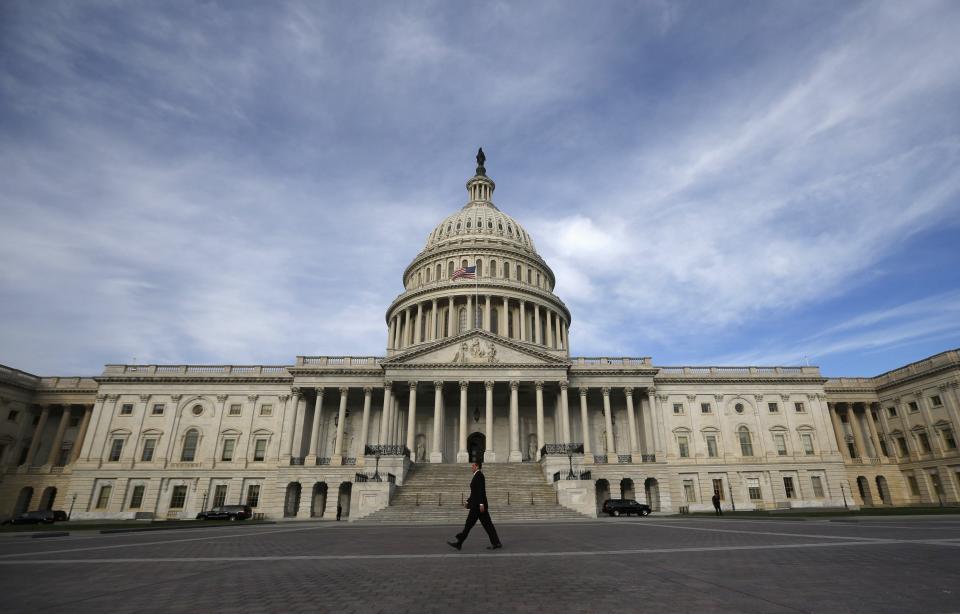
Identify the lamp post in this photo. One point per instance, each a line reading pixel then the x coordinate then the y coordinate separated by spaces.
pixel 733 505
pixel 844 493
pixel 73 500
pixel 570 458
pixel 376 470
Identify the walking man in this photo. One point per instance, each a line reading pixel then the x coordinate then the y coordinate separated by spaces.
pixel 716 503
pixel 477 504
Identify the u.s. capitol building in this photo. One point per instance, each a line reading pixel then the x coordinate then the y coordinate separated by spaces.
pixel 476 366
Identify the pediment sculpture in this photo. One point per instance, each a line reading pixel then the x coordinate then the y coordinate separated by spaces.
pixel 475 352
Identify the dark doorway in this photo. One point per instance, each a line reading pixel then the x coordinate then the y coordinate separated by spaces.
pixel 291 504
pixel 47 498
pixel 476 446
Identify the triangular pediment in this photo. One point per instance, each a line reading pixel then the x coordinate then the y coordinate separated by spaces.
pixel 475 347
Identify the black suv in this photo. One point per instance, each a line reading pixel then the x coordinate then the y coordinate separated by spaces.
pixel 227 512
pixel 625 507
pixel 38 517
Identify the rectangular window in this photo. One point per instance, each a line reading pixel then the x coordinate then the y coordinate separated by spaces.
pixel 157 409
pixel 807 440
pixel 936 401
pixel 773 407
pixel 746 446
pixel 788 487
pixel 235 409
pixel 689 492
pixel 883 447
pixel 948 440
pixel 126 409
pixel 228 446
pixel 817 482
pixel 902 446
pixel 704 408
pixel 718 488
pixel 799 408
pixel 780 441
pixel 149 445
pixel 712 446
pixel 260 450
pixel 266 410
pixel 937 486
pixel 178 498
pixel 684 446
pixel 219 495
pixel 913 406
pixel 136 499
pixel 116 447
pixel 12 415
pixel 914 486
pixel 103 497
pixel 253 495
pixel 678 408
pixel 892 412
pixel 753 488
pixel 924 442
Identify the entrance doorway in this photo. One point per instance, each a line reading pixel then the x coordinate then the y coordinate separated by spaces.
pixel 652 489
pixel 476 446
pixel 291 504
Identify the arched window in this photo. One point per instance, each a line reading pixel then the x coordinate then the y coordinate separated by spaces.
pixel 464 263
pixel 189 452
pixel 438 272
pixel 462 320
pixel 428 275
pixel 506 269
pixel 493 268
pixel 519 276
pixel 746 445
pixel 495 321
pixel 479 267
pixel 450 269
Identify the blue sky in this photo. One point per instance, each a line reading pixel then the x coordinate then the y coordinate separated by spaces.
pixel 713 183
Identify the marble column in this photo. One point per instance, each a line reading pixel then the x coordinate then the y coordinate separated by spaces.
pixel 515 455
pixel 857 433
pixel 317 424
pixel 58 438
pixel 632 424
pixel 450 330
pixel 608 422
pixel 418 325
pixel 585 425
pixel 486 312
pixel 412 417
pixel 558 323
pixel 540 429
pixel 462 456
pixel 471 315
pixel 337 458
pixel 405 329
pixel 37 432
pixel 872 428
pixel 565 411
pixel 436 453
pixel 433 320
pixel 293 406
pixel 81 434
pixel 505 322
pixel 523 330
pixel 536 324
pixel 384 413
pixel 391 332
pixel 489 454
pixel 549 328
pixel 838 432
pixel 364 423
pixel 646 415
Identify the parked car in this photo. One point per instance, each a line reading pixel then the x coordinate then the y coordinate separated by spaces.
pixel 35 517
pixel 227 512
pixel 625 507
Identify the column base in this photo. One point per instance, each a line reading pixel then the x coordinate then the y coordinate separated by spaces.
pixel 463 457
pixel 436 457
pixel 336 460
pixel 489 456
pixel 515 457
pixel 310 460
pixel 636 457
pixel 588 458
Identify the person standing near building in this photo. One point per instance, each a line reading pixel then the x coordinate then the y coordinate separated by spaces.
pixel 479 510
pixel 716 503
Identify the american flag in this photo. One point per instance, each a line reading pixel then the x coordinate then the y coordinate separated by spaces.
pixel 467 272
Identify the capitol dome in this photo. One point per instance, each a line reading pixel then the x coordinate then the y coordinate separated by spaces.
pixel 480 220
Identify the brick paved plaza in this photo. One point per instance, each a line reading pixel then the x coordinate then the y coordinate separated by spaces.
pixel 692 564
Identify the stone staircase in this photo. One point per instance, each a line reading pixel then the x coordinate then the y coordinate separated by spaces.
pixel 434 493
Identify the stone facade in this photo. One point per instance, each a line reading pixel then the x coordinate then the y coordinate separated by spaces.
pixel 477 363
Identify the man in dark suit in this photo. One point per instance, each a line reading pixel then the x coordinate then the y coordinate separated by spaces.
pixel 477 504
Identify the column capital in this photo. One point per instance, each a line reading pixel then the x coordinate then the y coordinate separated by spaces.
pixel 319 389
pixel 113 397
pixel 295 391
pixel 412 384
pixel 943 387
pixel 253 397
pixel 583 390
pixel 564 384
pixel 719 398
pixel 143 399
pixel 606 391
pixel 220 397
pixel 812 397
pixel 463 384
pixel 488 384
pixel 628 391
pixel 284 397
pixel 387 384
pixel 514 385
pixel 101 398
pixel 176 397
pixel 367 390
pixel 784 397
pixel 539 385
pixel 652 390
pixel 344 389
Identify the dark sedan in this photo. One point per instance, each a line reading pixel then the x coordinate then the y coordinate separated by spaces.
pixel 38 517
pixel 625 507
pixel 227 512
